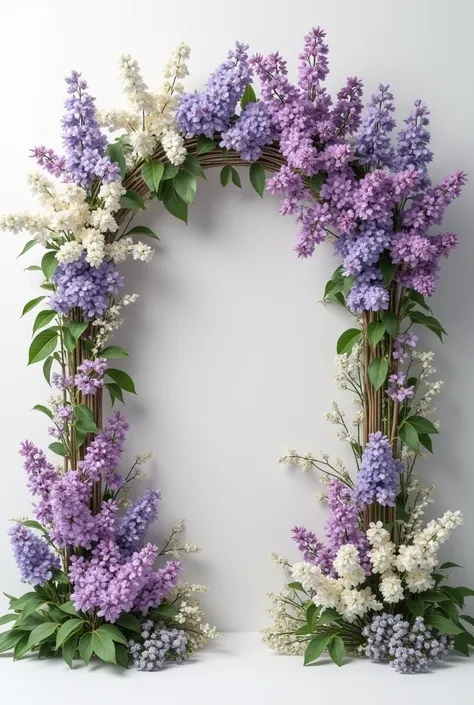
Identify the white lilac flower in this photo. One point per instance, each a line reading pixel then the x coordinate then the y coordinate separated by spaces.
pixel 376 534
pixel 382 557
pixel 391 588
pixel 143 143
pixel 173 144
pixel 69 252
pixel 347 565
pixel 134 86
pixel 142 252
pixel 418 580
pixel 94 243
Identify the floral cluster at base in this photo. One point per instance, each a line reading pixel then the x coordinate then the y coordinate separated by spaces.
pixel 158 644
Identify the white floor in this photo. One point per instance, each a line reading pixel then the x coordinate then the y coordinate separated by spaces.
pixel 237 671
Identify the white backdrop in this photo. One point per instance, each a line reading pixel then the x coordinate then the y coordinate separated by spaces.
pixel 230 351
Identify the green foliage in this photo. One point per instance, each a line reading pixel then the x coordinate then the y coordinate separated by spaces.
pixel 84 419
pixel 31 304
pixel 387 268
pixel 257 178
pixel 121 378
pixel 416 607
pixel 115 392
pixel 193 165
pixel 71 626
pixel 143 231
pixel 49 264
pixel 347 341
pixel 336 650
pixel 41 633
pixel 47 369
pixel 173 202
pixel 421 425
pixel 228 175
pixel 114 352
pixel 166 610
pixel 442 623
pixel 205 145
pixel 248 96
pixel 409 436
pixel 152 173
pixel 132 201
pixel 378 371
pixel 185 185
pixel 58 448
pixel 115 152
pixel 85 647
pixel 316 182
pixel 43 345
pixel 43 318
pixel 130 622
pixel 103 646
pixel 375 332
pixel 429 322
pixel 28 246
pixel 44 410
pixel 316 647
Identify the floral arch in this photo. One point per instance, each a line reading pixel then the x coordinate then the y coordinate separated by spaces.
pixel 376 585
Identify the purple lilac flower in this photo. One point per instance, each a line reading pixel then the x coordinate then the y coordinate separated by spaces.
pixel 32 555
pixel 89 377
pixel 413 140
pixel 84 143
pixel 158 585
pixel 339 191
pixel 368 292
pixel 252 131
pixel 211 111
pixel 42 477
pixel 103 454
pixel 314 219
pixel 418 256
pixel 373 142
pixel 397 390
pixel 61 381
pixel 378 474
pixel 133 526
pixel 84 286
pixel 49 160
pixel 61 418
pixel 428 207
pixel 363 249
pixel 289 181
pixel 402 344
pixel 342 525
pixel 313 550
pixel 346 113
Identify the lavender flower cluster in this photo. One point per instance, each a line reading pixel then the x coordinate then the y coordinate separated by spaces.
pixel 409 648
pixel 378 474
pixel 158 644
pixel 32 555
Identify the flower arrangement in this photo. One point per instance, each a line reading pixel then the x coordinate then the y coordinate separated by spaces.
pixel 376 586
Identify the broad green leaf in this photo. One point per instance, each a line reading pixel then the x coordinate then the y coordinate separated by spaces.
pixel 449 564
pixel 421 425
pixel 121 655
pixel 454 593
pixel 336 650
pixel 467 618
pixel 235 177
pixel 205 145
pixel 60 576
pixel 47 369
pixel 44 410
pixel 113 633
pixel 103 646
pixel 461 644
pixel 28 246
pixel 416 607
pixel 114 352
pixel 257 178
pixel 69 649
pixel 42 632
pixel 434 596
pixel 465 591
pixel 142 230
pixel 391 322
pixel 114 391
pixel 115 152
pixel 173 203
pixel 426 441
pixel 132 201
pixel 375 332
pixel 122 379
pixel 85 419
pixel 68 339
pixel 428 321
pixel 43 318
pixel 387 268
pixel 443 624
pixel 165 610
pixel 316 182
pixel 170 172
pixel 32 604
pixel 315 648
pixel 409 436
pixel 225 176
pixel 451 611
pixel 378 370
pixel 58 448
pixel 77 328
pixel 71 626
pixel 21 647
pixel 296 586
pixel 32 524
pixel 17 604
pixel 31 304
pixel 185 185
pixel 128 621
pixel 305 629
pixel 49 264
pixel 311 614
pixel 48 286
pixel 32 268
pixel 248 96
pixel 419 299
pixel 68 608
pixel 193 165
pixel 85 647
pixel 43 345
pixel 8 618
pixel 347 341
pixel 32 621
pixel 152 173
pixel 328 616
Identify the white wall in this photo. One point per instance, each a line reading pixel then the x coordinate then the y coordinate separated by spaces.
pixel 231 353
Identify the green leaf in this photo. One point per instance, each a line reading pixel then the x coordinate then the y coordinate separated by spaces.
pixel 311 613
pixel 375 332
pixel 185 185
pixel 454 593
pixel 426 441
pixel 421 424
pixel 449 564
pixel 43 318
pixel 378 370
pixel 128 621
pixel 43 345
pixel 8 640
pixel 193 165
pixel 85 647
pixel 8 618
pixel 296 586
pixel 68 340
pixel 467 618
pixel 142 230
pixel 152 173
pixel 32 524
pixel 114 352
pixel 17 604
pixel 32 268
pixel 32 621
pixel 165 610
pixel 68 608
pixel 465 591
pixel 132 201
pixel 48 287
pixel 21 647
pixel 173 203
pixel 44 410
pixel 47 369
pixel 31 304
pixel 115 392
pixel 115 152
pixel 60 576
pixel 305 629
pixel 113 633
pixel 257 178
pixel 316 182
pixel 315 648
pixel 336 650
pixel 387 268
pixel 443 624
pixel 434 596
pixel 409 436
pixel 121 654
pixel 58 448
pixel 77 328
pixel 42 632
pixel 329 615
pixel 124 380
pixel 461 643
pixel 347 341
pixel 103 646
pixel 248 96
pixel 225 176
pixel 205 145
pixel 71 626
pixel 69 649
pixel 49 264
pixel 28 246
pixel 419 299
pixel 416 607
pixel 428 321
pixel 85 419
pixel 235 177
pixel 32 604
pixel 170 172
